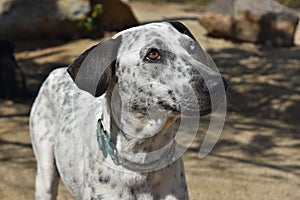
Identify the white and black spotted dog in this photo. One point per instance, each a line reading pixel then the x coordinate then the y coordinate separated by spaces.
pixel 105 125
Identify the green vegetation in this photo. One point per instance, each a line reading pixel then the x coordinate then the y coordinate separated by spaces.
pixel 89 22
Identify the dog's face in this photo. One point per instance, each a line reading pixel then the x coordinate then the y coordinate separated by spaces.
pixel 157 73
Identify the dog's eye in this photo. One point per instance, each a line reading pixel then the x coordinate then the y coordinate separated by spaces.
pixel 153 55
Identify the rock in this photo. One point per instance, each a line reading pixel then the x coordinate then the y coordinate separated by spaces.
pixel 256 21
pixel 116 15
pixel 30 19
pixel 25 19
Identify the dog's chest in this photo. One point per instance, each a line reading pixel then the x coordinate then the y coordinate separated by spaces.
pixel 96 180
pixel 109 184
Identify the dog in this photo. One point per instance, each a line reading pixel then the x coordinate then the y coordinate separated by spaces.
pixel 106 124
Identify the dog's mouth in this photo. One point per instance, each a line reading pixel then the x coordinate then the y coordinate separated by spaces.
pixel 143 107
pixel 178 110
pixel 195 113
pixel 173 109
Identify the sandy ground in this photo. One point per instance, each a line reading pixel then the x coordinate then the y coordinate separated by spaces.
pixel 258 154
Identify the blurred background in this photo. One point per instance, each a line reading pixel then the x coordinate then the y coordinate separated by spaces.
pixel 255 44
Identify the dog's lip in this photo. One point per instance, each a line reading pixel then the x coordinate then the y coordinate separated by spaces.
pixel 187 112
pixel 174 108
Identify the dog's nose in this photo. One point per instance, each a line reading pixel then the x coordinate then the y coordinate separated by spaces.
pixel 214 85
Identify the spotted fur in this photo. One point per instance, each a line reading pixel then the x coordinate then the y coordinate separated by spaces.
pixel 63 122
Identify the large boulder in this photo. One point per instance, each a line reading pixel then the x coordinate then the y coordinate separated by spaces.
pixel 41 18
pixel 257 21
pixel 28 19
pixel 116 15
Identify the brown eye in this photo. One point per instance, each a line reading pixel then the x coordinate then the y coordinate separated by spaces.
pixel 152 55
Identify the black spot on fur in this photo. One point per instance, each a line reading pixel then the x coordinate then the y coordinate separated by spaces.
pixel 121 194
pixel 148 177
pixel 113 185
pixel 74 180
pixel 132 191
pixel 162 81
pixel 181 174
pixel 104 179
pixel 93 189
pixel 99 197
pixel 139 129
pixel 185 188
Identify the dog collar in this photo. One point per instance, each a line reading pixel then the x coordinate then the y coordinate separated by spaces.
pixel 106 146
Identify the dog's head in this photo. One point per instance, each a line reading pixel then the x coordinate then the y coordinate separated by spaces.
pixel 150 72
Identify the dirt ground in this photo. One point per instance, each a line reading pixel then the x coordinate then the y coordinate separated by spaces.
pixel 258 154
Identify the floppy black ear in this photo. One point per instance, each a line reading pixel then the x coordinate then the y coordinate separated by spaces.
pixel 182 29
pixel 91 71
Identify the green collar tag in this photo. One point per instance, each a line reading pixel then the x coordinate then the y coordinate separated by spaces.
pixel 106 146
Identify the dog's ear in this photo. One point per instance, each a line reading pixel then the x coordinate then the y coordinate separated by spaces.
pixel 91 71
pixel 182 29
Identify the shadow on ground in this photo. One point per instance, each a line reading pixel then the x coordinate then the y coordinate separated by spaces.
pixel 261 130
pixel 264 82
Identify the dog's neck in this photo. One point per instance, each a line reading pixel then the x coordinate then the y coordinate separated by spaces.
pixel 137 153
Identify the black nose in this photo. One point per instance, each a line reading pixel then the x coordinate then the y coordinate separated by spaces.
pixel 214 85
